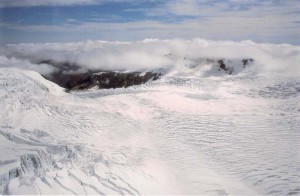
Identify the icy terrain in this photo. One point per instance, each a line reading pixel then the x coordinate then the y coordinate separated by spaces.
pixel 197 130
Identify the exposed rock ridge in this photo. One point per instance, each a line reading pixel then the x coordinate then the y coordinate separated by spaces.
pixel 73 77
pixel 229 70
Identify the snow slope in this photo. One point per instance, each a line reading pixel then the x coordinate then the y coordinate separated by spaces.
pixel 234 135
pixel 52 144
pixel 195 131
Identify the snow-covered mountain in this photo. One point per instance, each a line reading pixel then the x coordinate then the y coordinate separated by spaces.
pixel 201 128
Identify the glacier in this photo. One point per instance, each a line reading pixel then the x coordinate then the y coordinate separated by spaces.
pixel 196 130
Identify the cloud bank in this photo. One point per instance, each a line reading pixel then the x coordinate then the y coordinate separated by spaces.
pixel 25 64
pixel 153 54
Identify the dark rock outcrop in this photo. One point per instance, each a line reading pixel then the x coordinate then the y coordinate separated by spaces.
pixel 103 80
pixel 119 79
pixel 229 70
pixel 247 61
pixel 222 65
pixel 73 77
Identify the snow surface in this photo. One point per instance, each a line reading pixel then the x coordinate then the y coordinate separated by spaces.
pixel 195 131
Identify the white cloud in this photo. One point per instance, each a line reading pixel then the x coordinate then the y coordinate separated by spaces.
pixel 25 64
pixel 262 29
pixel 185 7
pixel 161 54
pixel 262 21
pixel 233 8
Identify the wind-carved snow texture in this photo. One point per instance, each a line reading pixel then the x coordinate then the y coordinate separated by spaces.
pixel 230 135
pixel 38 160
pixel 196 130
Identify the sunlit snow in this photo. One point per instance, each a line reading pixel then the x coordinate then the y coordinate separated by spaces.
pixel 197 130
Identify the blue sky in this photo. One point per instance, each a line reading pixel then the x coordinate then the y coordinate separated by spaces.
pixel 274 21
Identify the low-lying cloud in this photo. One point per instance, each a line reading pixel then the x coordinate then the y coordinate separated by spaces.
pixel 152 54
pixel 25 64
